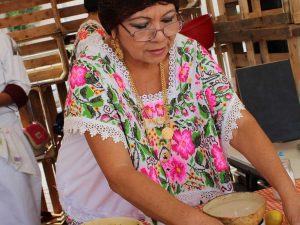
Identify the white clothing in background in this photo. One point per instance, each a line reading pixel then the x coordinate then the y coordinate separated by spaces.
pixel 20 181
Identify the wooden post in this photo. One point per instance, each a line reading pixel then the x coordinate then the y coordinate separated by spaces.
pixel 294 50
pixel 295 8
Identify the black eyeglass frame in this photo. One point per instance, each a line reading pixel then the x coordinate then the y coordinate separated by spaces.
pixel 179 20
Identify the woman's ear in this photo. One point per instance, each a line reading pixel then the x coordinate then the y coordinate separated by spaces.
pixel 114 34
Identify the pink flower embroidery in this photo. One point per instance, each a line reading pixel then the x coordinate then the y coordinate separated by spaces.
pixel 69 98
pixel 151 174
pixel 219 158
pixel 183 72
pixel 228 96
pixel 119 81
pixel 218 68
pixel 105 118
pixel 177 170
pixel 148 112
pixel 101 32
pixel 183 145
pixel 83 34
pixel 159 107
pixel 211 99
pixel 77 77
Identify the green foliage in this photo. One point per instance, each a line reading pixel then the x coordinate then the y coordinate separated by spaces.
pixel 21 12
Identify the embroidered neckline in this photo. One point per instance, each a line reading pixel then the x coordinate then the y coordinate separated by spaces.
pixel 147 97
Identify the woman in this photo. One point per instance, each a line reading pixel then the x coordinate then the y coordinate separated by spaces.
pixel 149 117
pixel 90 25
pixel 20 182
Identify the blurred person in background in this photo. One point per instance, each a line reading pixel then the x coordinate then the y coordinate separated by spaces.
pixel 20 181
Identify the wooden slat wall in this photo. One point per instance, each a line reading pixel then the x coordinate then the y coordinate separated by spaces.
pixel 255 26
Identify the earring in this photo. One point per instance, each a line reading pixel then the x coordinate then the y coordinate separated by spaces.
pixel 115 44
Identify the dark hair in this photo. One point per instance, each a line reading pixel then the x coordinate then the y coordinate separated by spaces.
pixel 91 5
pixel 114 12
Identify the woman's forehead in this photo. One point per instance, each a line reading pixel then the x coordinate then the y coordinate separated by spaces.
pixel 154 10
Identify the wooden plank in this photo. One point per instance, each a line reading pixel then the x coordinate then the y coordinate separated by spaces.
pixel 265 57
pixel 41 75
pixel 72 11
pixel 62 93
pixel 294 50
pixel 250 53
pixel 272 11
pixel 20 5
pixel 39 47
pixel 276 33
pixel 271 20
pixel 295 8
pixel 49 170
pixel 26 18
pixel 72 26
pixel 42 61
pixel 242 60
pixel 36 32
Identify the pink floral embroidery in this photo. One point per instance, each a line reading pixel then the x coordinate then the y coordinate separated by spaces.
pixel 105 118
pixel 218 68
pixel 159 107
pixel 77 77
pixel 183 145
pixel 152 173
pixel 69 98
pixel 211 99
pixel 148 112
pixel 219 158
pixel 183 72
pixel 177 170
pixel 119 81
pixel 83 34
pixel 101 32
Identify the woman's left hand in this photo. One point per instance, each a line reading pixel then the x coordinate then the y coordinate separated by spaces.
pixel 291 208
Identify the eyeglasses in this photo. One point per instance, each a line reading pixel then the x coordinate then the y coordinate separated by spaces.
pixel 149 34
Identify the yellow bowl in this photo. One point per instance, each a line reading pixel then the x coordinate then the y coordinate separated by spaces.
pixel 238 208
pixel 114 221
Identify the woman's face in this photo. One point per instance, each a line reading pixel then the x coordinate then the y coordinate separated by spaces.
pixel 154 17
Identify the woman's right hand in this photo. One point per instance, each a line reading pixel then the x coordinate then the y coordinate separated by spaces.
pixel 207 220
pixel 200 218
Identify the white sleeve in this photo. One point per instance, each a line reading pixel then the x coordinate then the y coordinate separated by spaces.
pixel 14 71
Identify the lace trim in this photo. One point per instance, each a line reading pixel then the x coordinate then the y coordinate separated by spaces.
pixel 81 125
pixel 229 124
pixel 125 73
pixel 151 97
pixel 194 198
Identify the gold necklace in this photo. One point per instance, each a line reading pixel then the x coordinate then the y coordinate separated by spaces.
pixel 167 131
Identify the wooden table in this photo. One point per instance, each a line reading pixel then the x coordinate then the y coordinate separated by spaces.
pixel 272 203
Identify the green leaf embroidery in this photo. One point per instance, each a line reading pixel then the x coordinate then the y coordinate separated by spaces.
pixel 203 111
pixel 208 179
pixel 88 111
pixel 199 158
pixel 90 78
pixel 127 127
pixel 137 132
pixel 97 102
pixel 86 92
pixel 196 137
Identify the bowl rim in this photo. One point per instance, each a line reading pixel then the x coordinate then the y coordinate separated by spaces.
pixel 225 196
pixel 113 218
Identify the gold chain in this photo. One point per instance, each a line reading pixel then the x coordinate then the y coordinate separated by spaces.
pixel 167 131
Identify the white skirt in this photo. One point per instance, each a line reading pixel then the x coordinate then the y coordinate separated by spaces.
pixel 20 184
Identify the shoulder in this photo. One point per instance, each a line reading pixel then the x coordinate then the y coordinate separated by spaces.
pixel 93 45
pixel 88 28
pixel 6 43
